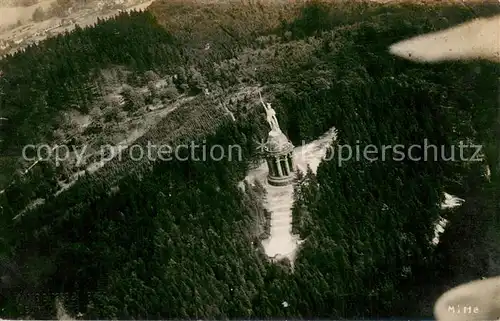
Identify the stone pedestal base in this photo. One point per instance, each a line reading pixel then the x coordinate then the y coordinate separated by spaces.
pixel 280 181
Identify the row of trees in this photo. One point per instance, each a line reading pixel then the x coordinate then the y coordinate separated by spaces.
pixel 60 73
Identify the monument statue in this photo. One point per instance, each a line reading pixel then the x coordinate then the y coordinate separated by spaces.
pixel 271 116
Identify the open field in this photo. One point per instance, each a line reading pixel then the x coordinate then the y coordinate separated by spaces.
pixel 13 37
pixel 11 15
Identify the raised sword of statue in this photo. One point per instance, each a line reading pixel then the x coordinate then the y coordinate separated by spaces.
pixel 271 115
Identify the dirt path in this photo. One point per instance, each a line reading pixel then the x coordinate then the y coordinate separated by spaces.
pixel 116 151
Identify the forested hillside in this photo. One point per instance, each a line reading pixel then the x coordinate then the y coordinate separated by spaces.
pixel 179 239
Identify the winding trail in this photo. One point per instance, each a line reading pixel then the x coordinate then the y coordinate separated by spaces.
pixel 117 150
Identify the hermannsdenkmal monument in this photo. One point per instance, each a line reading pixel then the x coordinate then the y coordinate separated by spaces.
pixel 278 151
pixel 277 171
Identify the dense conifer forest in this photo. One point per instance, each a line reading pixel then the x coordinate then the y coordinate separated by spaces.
pixel 180 239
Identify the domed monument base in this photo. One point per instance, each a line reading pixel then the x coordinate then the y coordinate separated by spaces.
pixel 279 156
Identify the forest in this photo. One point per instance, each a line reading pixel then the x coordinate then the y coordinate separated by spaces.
pixel 179 239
